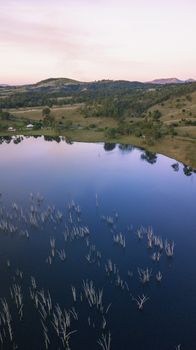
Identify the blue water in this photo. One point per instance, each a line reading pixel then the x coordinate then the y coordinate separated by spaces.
pixel 143 189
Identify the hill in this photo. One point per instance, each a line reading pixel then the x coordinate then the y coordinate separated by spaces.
pixel 170 81
pixel 55 82
pixel 159 117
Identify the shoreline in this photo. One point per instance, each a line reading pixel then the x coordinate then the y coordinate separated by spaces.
pixel 177 148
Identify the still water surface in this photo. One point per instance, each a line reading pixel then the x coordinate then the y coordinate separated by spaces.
pixel 62 207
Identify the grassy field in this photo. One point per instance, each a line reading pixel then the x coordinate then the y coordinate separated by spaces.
pixel 35 113
pixel 181 147
pixel 63 114
pixel 187 131
pixel 175 109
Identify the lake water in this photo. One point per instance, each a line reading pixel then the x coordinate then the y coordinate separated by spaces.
pixel 80 224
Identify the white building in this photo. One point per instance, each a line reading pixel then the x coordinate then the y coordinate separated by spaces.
pixel 29 126
pixel 11 129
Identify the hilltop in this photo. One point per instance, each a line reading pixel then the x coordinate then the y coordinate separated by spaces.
pixel 171 81
pixel 66 81
pixel 55 82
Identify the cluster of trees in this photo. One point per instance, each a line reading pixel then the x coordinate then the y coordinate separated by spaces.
pixel 188 122
pixel 155 115
pixel 150 129
pixel 4 115
pixel 5 118
pixel 48 118
pixel 130 102
pixel 26 99
pixel 112 98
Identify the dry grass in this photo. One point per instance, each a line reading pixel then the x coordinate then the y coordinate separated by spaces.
pixel 172 110
pixel 187 131
pixel 35 113
pixel 68 112
pixel 178 148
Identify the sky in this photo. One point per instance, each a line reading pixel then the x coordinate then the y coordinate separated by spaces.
pixel 97 39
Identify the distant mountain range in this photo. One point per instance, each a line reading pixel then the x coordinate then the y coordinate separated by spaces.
pixel 57 83
pixel 170 81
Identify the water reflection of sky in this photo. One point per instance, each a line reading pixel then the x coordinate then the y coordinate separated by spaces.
pixel 80 170
pixel 39 161
pixel 142 193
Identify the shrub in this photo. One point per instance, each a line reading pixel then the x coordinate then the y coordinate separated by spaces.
pixel 111 133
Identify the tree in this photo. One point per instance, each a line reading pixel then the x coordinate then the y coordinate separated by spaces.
pixel 156 115
pixel 46 112
pixel 48 117
pixel 111 133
